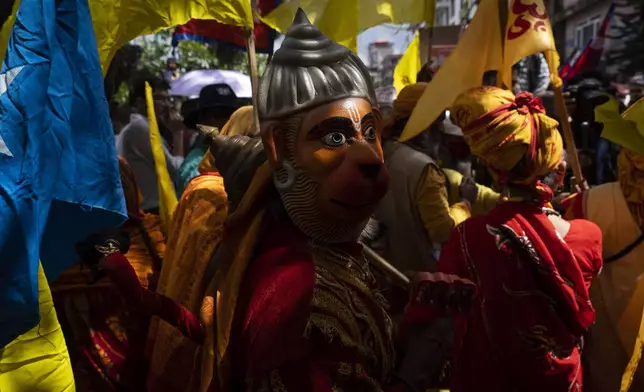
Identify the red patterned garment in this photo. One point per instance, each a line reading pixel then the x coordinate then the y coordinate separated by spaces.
pixel 525 330
pixel 306 322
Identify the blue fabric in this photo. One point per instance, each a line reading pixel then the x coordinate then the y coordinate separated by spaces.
pixel 190 167
pixel 59 178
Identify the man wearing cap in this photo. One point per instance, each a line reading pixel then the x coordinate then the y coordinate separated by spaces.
pixel 213 108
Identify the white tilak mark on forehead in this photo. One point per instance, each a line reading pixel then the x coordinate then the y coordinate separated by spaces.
pixel 354 115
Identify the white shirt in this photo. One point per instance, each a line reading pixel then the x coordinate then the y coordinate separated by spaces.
pixel 133 144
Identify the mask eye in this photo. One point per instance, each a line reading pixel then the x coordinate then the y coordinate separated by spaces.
pixel 370 134
pixel 334 139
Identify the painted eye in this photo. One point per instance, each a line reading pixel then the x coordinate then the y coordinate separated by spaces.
pixel 370 134
pixel 334 139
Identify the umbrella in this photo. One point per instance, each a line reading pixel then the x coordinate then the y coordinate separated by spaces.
pixel 190 84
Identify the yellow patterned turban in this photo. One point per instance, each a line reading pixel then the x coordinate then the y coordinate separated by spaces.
pixel 511 135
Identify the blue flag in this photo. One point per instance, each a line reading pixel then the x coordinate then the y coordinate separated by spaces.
pixel 59 179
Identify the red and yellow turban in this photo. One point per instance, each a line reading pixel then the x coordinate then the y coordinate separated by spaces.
pixel 511 135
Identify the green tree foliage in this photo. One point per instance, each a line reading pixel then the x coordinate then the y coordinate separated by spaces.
pixel 194 55
pixel 190 56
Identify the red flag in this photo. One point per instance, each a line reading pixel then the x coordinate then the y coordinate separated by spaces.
pixel 209 31
pixel 590 57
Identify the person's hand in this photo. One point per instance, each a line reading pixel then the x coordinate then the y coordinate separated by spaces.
pixel 557 201
pixel 93 250
pixel 443 291
pixel 468 190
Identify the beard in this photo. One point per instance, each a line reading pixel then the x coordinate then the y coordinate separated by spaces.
pixel 302 207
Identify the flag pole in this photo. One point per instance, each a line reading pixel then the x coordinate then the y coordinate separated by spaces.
pixel 254 78
pixel 503 21
pixel 252 64
pixel 573 158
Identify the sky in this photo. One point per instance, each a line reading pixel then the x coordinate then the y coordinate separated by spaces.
pixel 396 34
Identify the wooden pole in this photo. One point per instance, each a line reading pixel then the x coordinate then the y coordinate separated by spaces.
pixel 573 158
pixel 386 268
pixel 503 22
pixel 254 78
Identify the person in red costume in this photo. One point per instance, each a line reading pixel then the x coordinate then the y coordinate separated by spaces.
pixel 297 308
pixel 532 269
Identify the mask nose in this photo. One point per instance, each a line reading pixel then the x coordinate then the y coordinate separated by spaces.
pixel 370 170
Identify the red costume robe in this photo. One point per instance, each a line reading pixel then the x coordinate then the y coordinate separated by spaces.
pixel 305 322
pixel 302 322
pixel 525 330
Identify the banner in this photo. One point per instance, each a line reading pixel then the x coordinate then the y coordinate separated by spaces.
pixel 215 33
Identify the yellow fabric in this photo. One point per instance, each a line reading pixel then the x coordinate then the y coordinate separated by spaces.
pixel 207 163
pixel 486 199
pixel 239 123
pixel 343 20
pixel 478 50
pixel 117 22
pixel 408 66
pixel 167 195
pixel 439 218
pixel 197 229
pixel 626 130
pixel 242 233
pixel 6 29
pixel 630 166
pixel 526 35
pixel 407 99
pixel 504 140
pixel 38 361
pixel 619 290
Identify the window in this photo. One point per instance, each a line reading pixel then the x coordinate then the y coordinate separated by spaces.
pixel 442 16
pixel 586 31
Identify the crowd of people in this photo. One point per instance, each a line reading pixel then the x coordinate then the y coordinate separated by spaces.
pixel 324 254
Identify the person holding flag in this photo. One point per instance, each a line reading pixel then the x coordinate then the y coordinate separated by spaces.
pixel 532 268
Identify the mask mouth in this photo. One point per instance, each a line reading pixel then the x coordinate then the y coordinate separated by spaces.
pixel 352 206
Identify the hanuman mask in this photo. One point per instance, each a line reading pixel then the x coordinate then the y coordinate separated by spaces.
pixel 321 131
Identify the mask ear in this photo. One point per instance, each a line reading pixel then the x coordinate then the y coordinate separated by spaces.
pixel 273 142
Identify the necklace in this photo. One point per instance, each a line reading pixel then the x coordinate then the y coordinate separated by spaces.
pixel 358 267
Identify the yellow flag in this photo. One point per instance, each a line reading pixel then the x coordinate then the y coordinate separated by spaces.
pixel 408 66
pixel 478 50
pixel 167 195
pixel 117 22
pixel 38 359
pixel 343 20
pixel 626 130
pixel 528 32
pixel 6 29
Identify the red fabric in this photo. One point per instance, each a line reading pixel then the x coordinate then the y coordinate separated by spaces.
pixel 211 31
pixel 590 57
pixel 524 329
pixel 271 318
pixel 120 271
